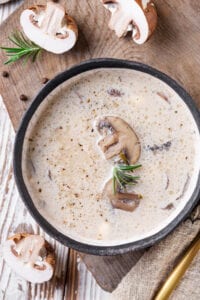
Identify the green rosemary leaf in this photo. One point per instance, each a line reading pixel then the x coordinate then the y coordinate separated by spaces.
pixel 25 48
pixel 127 180
pixel 35 55
pixel 29 55
pixel 10 49
pixel 129 167
pixel 21 39
pixel 14 41
pixel 117 179
pixel 123 176
pixel 11 60
pixel 114 185
pixel 127 177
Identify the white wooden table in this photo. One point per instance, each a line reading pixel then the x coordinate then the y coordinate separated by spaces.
pixel 15 218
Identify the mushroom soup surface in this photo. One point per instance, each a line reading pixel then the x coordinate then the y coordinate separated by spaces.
pixel 65 170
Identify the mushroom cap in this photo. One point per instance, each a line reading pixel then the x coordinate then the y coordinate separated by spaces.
pixel 49 27
pixel 138 16
pixel 125 201
pixel 119 137
pixel 30 256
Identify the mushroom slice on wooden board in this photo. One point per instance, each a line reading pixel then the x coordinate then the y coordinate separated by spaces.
pixel 127 201
pixel 118 137
pixel 30 256
pixel 138 16
pixel 49 27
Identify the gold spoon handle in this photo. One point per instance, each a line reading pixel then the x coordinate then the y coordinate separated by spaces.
pixel 179 270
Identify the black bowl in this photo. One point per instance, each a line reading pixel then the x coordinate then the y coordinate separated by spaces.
pixel 49 87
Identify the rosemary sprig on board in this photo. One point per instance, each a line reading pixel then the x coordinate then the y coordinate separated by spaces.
pixel 25 48
pixel 123 176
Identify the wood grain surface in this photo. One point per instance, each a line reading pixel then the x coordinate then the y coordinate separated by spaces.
pixel 174 49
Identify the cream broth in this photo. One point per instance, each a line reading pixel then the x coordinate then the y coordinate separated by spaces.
pixel 65 170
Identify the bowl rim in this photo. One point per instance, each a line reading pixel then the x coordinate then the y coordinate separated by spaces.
pixel 19 141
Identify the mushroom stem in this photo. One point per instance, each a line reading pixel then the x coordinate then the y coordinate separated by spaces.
pixel 52 19
pixel 108 141
pixel 29 248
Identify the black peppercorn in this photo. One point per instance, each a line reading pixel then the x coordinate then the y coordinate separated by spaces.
pixel 23 97
pixel 45 80
pixel 5 74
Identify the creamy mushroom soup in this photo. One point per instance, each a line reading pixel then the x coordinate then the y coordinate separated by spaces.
pixel 65 170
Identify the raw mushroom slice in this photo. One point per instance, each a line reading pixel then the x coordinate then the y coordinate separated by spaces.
pixel 49 27
pixel 127 201
pixel 119 137
pixel 138 16
pixel 30 256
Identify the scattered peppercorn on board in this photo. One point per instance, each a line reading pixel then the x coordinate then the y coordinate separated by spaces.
pixel 173 49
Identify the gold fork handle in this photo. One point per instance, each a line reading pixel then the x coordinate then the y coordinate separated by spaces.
pixel 179 271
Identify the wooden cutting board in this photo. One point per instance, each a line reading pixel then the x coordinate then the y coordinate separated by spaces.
pixel 174 49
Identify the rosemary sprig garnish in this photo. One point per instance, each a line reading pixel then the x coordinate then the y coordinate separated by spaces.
pixel 25 48
pixel 122 176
